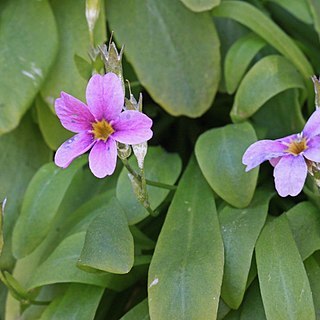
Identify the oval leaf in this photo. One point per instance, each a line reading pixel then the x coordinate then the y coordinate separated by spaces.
pixel 25 57
pixel 268 77
pixel 284 284
pixel 109 244
pixel 219 153
pixel 139 312
pixel 181 73
pixel 304 221
pixel 239 57
pixel 240 229
pixel 262 25
pixel 79 302
pixel 185 278
pixel 200 5
pixel 160 166
pixel 40 204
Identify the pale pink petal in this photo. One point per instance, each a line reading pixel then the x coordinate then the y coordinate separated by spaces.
pixel 312 127
pixel 132 127
pixel 72 148
pixel 313 151
pixel 261 151
pixel 105 96
pixel 73 114
pixel 289 175
pixel 103 158
pixel 274 161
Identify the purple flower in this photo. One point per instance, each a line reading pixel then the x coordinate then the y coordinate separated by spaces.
pixel 99 125
pixel 290 156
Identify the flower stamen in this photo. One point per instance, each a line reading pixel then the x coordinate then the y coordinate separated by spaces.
pixel 295 147
pixel 102 130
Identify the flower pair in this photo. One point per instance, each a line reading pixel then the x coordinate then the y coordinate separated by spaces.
pixel 99 125
pixel 291 156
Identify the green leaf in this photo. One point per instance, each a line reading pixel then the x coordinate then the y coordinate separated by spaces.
pixel 284 284
pixel 240 229
pixel 239 57
pixel 275 119
pixel 268 77
pixel 109 244
pixel 314 6
pixel 200 5
pixel 186 270
pixel 252 307
pixel 179 64
pixel 29 45
pixel 52 131
pixel 139 312
pixel 25 152
pixel 219 153
pixel 262 25
pixel 64 76
pixel 304 221
pixel 78 302
pixel 160 166
pixel 41 202
pixel 313 272
pixel 298 8
pixel 61 267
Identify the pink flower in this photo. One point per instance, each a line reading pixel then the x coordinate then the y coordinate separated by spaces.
pixel 99 125
pixel 290 156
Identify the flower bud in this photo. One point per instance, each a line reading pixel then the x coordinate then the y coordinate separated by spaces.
pixel 92 15
pixel 124 150
pixel 316 83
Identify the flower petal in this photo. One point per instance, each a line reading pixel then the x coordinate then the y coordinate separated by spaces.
pixel 312 127
pixel 261 151
pixel 103 158
pixel 313 151
pixel 73 114
pixel 72 148
pixel 289 175
pixel 274 161
pixel 105 96
pixel 132 127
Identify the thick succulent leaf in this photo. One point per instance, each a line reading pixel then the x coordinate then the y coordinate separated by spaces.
pixel 284 284
pixel 313 271
pixel 29 45
pixel 109 243
pixel 23 153
pixel 179 65
pixel 240 229
pixel 74 41
pixel 268 77
pixel 314 6
pixel 139 312
pixel 304 221
pixel 262 25
pixel 219 153
pixel 40 205
pixel 298 8
pixel 200 5
pixel 160 166
pixel 185 278
pixel 273 117
pixel 78 302
pixel 238 59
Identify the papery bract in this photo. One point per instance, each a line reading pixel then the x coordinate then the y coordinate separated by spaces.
pixel 290 156
pixel 99 124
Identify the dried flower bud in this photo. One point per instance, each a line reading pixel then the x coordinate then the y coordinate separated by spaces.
pixel 316 83
pixel 92 15
pixel 124 150
pixel 112 59
pixel 140 151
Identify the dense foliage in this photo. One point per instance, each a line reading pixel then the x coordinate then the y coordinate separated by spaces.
pixel 213 241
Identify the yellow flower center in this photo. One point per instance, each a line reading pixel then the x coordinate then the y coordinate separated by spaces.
pixel 102 130
pixel 295 147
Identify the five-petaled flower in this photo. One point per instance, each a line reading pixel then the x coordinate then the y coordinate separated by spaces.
pixel 99 125
pixel 291 156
